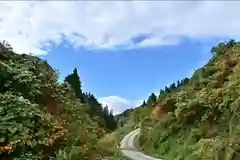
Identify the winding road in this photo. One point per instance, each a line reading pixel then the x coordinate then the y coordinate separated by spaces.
pixel 129 150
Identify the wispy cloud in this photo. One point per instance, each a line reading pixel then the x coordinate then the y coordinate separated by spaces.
pixel 29 26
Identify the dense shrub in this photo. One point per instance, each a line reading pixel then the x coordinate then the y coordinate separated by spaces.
pixel 205 122
pixel 41 117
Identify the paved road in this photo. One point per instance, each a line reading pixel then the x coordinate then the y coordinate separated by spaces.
pixel 129 150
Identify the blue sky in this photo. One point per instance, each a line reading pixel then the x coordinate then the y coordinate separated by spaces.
pixel 131 74
pixel 123 50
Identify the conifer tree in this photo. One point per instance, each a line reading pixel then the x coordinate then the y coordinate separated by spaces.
pixel 161 92
pixel 74 80
pixel 144 103
pixel 172 86
pixel 152 99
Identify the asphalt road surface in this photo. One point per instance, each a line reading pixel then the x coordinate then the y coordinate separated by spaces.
pixel 129 150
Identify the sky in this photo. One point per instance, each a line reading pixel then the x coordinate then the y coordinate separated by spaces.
pixel 123 50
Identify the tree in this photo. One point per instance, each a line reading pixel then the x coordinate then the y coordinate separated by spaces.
pixel 111 112
pixel 144 103
pixel 106 111
pixel 74 81
pixel 185 81
pixel 95 106
pixel 112 123
pixel 178 83
pixel 152 99
pixel 230 43
pixel 172 86
pixel 5 46
pixel 167 89
pixel 109 118
pixel 219 49
pixel 161 92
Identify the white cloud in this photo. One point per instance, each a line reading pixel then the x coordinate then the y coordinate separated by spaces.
pixel 119 104
pixel 29 26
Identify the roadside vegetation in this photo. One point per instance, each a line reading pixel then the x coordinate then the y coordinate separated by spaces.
pixel 192 119
pixel 109 145
pixel 42 118
pixel 196 118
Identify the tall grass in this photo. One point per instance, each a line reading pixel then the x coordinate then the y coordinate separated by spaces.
pixel 109 145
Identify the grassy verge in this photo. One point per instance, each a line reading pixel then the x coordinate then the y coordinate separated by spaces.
pixel 136 143
pixel 108 146
pixel 147 152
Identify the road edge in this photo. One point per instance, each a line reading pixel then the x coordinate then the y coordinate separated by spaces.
pixel 127 136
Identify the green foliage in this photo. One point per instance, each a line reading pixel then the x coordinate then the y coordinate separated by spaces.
pixel 109 144
pixel 144 103
pixel 222 47
pixel 74 81
pixel 42 118
pixel 23 121
pixel 96 111
pixel 152 100
pixel 204 123
pixel 27 156
pixel 68 153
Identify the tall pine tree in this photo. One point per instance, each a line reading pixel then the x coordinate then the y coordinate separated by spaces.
pixel 152 99
pixel 74 80
pixel 144 103
pixel 96 111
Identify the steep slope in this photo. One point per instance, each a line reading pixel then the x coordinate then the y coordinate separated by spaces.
pixel 41 118
pixel 199 119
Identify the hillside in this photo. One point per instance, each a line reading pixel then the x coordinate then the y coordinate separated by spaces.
pixel 193 119
pixel 41 118
pixel 196 118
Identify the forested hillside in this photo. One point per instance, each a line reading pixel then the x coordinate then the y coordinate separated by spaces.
pixel 196 118
pixel 135 116
pixel 192 119
pixel 41 118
